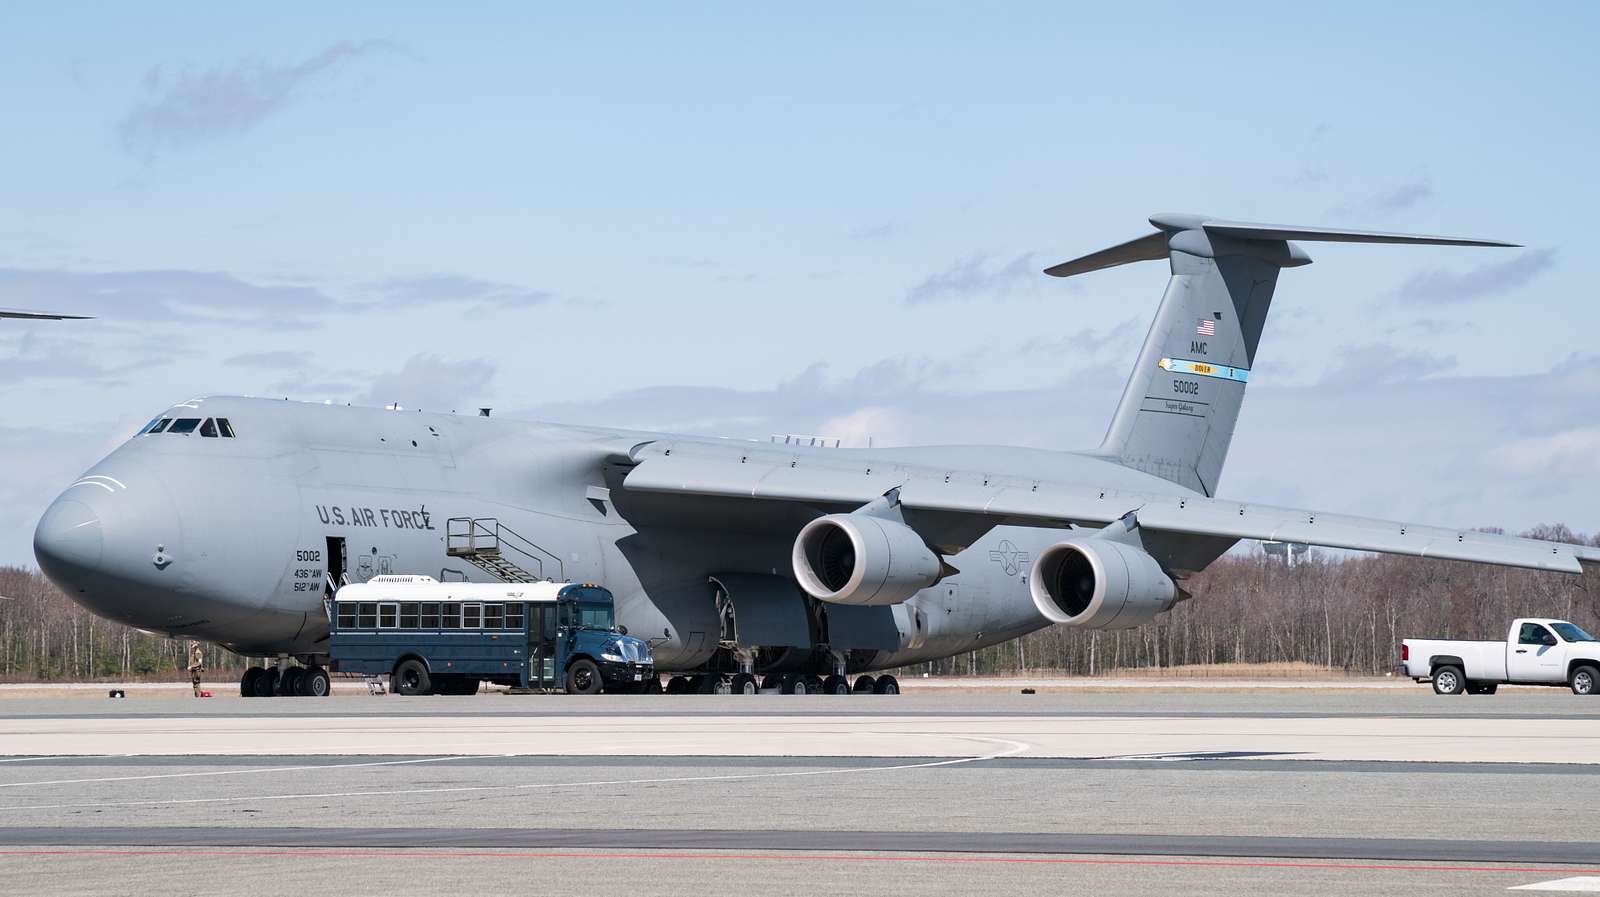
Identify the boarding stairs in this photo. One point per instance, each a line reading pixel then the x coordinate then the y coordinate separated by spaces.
pixel 500 551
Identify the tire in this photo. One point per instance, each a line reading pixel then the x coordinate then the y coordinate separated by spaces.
pixel 794 685
pixel 677 685
pixel 315 683
pixel 247 682
pixel 1585 680
pixel 865 685
pixel 267 683
pixel 813 685
pixel 289 685
pixel 652 686
pixel 836 685
pixel 583 677
pixel 468 686
pixel 411 678
pixel 745 684
pixel 1448 680
pixel 886 685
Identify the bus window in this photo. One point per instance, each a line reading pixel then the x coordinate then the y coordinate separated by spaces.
pixel 471 616
pixel 549 618
pixel 566 614
pixel 494 616
pixel 225 427
pixel 514 615
pixel 367 615
pixel 595 616
pixel 347 615
pixel 430 615
pixel 387 612
pixel 209 429
pixel 184 425
pixel 408 615
pixel 449 616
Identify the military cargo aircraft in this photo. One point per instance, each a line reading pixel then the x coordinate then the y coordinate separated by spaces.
pixel 231 519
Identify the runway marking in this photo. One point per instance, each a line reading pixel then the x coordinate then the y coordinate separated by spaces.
pixel 797 856
pixel 238 772
pixel 57 757
pixel 1015 748
pixel 1583 884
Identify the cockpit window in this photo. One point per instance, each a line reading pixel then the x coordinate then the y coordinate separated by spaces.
pixel 225 427
pixel 184 425
pixel 209 429
pixel 160 425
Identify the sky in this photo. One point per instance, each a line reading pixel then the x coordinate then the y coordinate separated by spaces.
pixel 818 219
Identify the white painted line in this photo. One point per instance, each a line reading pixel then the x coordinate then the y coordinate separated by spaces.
pixel 1584 884
pixel 258 769
pixel 55 757
pixel 1013 748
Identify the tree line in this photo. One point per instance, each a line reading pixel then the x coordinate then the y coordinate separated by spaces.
pixel 1330 610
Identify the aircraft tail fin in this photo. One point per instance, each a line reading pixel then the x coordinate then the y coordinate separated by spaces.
pixel 1178 411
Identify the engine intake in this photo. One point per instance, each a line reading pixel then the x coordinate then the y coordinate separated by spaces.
pixel 1099 584
pixel 862 559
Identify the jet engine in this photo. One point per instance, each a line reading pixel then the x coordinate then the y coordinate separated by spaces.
pixel 1099 584
pixel 862 559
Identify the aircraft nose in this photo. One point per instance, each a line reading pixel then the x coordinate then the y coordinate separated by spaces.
pixel 69 539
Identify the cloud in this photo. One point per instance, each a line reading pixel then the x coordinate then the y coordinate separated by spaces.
pixel 29 355
pixel 430 383
pixel 450 289
pixel 1438 286
pixel 974 278
pixel 1575 452
pixel 186 108
pixel 270 360
pixel 1362 366
pixel 1388 200
pixel 165 296
pixel 873 231
pixel 1118 339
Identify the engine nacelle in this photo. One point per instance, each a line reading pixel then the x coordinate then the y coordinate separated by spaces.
pixel 1099 584
pixel 862 559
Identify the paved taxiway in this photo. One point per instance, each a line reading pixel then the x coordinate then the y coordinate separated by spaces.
pixel 1122 793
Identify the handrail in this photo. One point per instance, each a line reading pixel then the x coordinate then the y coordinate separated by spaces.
pixel 473 535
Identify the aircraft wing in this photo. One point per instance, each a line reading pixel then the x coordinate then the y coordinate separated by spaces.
pixel 832 484
pixel 40 315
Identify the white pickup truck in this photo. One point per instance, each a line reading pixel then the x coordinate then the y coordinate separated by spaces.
pixel 1535 652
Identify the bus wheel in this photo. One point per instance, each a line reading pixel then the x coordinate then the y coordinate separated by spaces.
pixel 315 683
pixel 411 678
pixel 583 677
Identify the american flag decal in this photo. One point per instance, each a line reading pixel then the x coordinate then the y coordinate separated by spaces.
pixel 1206 327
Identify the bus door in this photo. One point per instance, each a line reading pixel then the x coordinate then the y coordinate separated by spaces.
pixel 542 672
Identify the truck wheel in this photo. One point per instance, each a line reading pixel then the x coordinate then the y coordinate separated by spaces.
pixel 886 685
pixel 1448 680
pixel 1585 680
pixel 411 678
pixel 583 677
pixel 745 684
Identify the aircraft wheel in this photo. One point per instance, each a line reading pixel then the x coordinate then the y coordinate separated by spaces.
pixel 886 685
pixel 247 682
pixel 677 685
pixel 813 685
pixel 583 677
pixel 315 683
pixel 836 685
pixel 1585 680
pixel 289 685
pixel 1448 680
pixel 795 685
pixel 411 678
pixel 652 686
pixel 745 684
pixel 865 685
pixel 772 683
pixel 266 684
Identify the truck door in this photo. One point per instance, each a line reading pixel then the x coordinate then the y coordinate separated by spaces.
pixel 1536 657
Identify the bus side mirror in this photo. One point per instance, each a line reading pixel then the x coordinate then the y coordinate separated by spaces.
pixel 622 629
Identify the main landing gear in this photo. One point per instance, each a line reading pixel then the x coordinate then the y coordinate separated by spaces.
pixel 788 684
pixel 284 680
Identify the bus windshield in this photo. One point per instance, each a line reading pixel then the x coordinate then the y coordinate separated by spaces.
pixel 594 616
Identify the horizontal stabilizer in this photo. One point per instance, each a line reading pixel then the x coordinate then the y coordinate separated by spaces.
pixel 1152 247
pixel 40 315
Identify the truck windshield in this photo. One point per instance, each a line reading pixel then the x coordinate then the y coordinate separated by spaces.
pixel 594 616
pixel 1572 633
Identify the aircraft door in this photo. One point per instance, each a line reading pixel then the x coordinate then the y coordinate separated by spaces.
pixel 336 565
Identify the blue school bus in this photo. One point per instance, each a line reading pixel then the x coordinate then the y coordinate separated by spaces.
pixel 435 637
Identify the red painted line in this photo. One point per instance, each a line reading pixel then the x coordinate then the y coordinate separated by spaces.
pixel 404 852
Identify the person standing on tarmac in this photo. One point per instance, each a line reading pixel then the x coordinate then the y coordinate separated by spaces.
pixel 197 665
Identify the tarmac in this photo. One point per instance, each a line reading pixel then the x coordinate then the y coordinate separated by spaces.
pixel 1137 792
